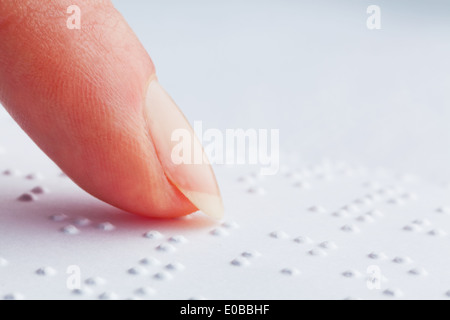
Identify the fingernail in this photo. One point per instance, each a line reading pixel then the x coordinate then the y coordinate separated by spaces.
pixel 180 152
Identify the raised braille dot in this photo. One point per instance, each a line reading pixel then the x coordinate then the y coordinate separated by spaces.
pixel 46 271
pixel 218 232
pixel 436 233
pixel 421 222
pixel 444 210
pixel 39 190
pixel 351 274
pixel 13 296
pixel 177 239
pixel 409 196
pixel 256 190
pixel 11 172
pixel 289 271
pixel 302 185
pixel 328 245
pixel 70 230
pixel 341 213
pixel 365 219
pixel 137 271
pixel 95 281
pixel 174 266
pixel 375 213
pixel 250 254
pixel 34 176
pixel 278 235
pixel 82 291
pixel 58 217
pixel 145 291
pixel 163 275
pixel 392 292
pixel 317 209
pixel 402 260
pixel 317 253
pixel 350 228
pixel 106 226
pixel 153 234
pixel 149 261
pixel 448 293
pixel 239 262
pixel 412 228
pixel 27 197
pixel 165 247
pixel 109 295
pixel 302 240
pixel 352 208
pixel 230 225
pixel 377 256
pixel 82 222
pixel 418 272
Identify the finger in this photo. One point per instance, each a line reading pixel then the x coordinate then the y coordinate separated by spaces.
pixel 90 99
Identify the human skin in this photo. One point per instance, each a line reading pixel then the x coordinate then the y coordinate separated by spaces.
pixel 90 99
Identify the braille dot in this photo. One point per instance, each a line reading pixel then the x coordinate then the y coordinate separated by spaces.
pixel 246 179
pixel 418 272
pixel 302 185
pixel 421 222
pixel 349 228
pixel 82 222
pixel 27 197
pixel 82 292
pixel 219 232
pixel 437 233
pixel 396 201
pixel 290 271
pixel 230 225
pixel 328 245
pixel 392 292
pixel 145 291
pixel 13 296
pixel 278 235
pixel 402 260
pixel 149 261
pixel 239 262
pixel 444 210
pixel 177 239
pixel 136 271
pixel 165 247
pixel 377 256
pixel 341 213
pixel 302 240
pixel 153 234
pixel 108 296
pixel 250 254
pixel 95 281
pixel 317 209
pixel 174 266
pixel 58 217
pixel 70 230
pixel 106 226
pixel 39 190
pixel 375 213
pixel 409 196
pixel 412 228
pixel 351 274
pixel 317 253
pixel 365 218
pixel 34 176
pixel 352 208
pixel 11 172
pixel 163 275
pixel 46 271
pixel 256 190
pixel 448 293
